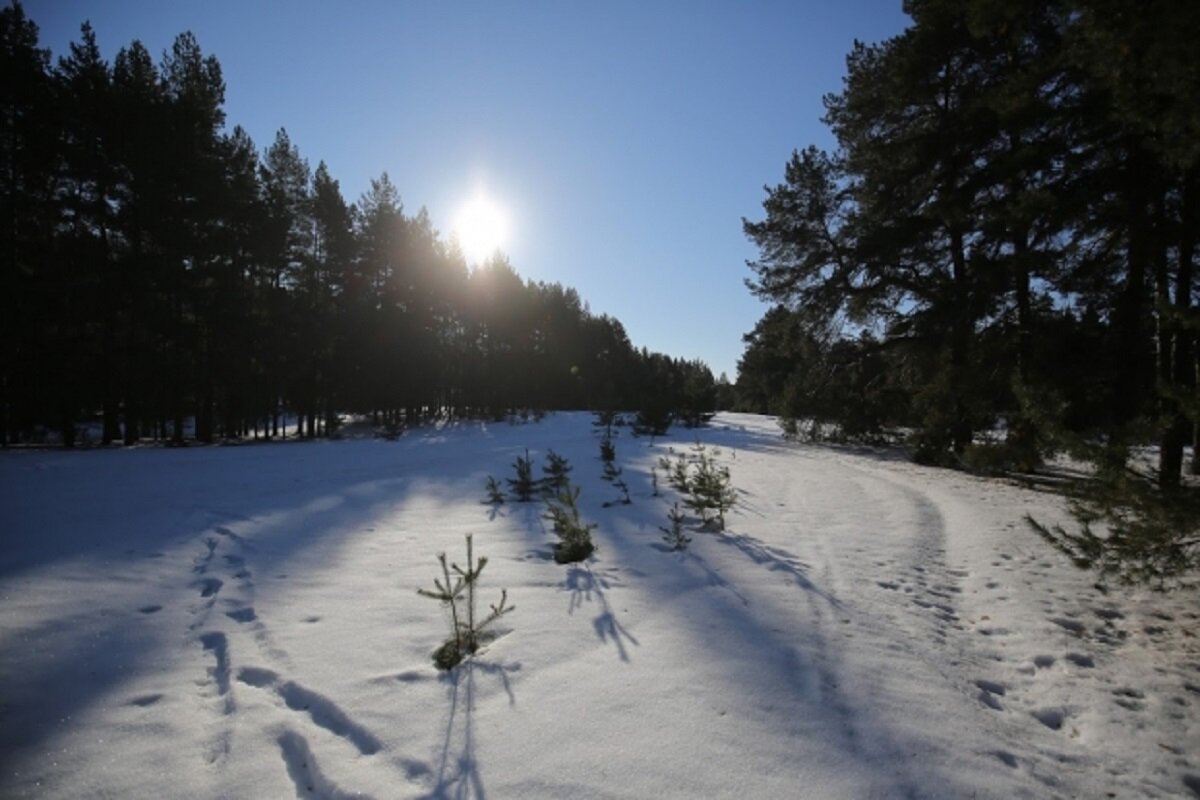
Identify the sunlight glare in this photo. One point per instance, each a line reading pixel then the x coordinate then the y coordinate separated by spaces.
pixel 481 227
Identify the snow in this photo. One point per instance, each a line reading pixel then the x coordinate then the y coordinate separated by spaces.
pixel 243 621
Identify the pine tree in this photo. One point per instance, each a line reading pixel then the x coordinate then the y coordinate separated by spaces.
pixel 456 590
pixel 556 474
pixel 575 536
pixel 523 486
pixel 674 536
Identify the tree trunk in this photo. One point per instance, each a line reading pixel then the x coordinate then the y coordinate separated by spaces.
pixel 960 338
pixel 1176 373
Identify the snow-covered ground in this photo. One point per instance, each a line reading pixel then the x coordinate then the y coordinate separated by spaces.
pixel 244 622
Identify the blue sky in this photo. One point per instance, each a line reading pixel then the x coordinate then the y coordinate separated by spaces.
pixel 626 140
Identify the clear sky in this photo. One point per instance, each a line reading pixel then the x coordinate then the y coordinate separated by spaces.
pixel 626 140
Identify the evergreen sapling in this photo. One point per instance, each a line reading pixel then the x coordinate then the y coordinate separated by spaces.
pixel 557 474
pixel 495 496
pixel 575 537
pixel 523 485
pixel 623 488
pixel 674 536
pixel 608 451
pixel 467 634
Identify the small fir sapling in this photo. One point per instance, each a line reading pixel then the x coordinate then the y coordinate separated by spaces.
pixel 624 500
pixel 608 451
pixel 523 485
pixel 605 420
pixel 575 537
pixel 495 496
pixel 557 474
pixel 710 491
pixel 467 634
pixel 678 476
pixel 611 472
pixel 674 536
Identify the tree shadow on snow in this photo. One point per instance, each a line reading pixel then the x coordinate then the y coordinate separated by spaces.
pixel 586 586
pixel 776 559
pixel 458 773
pixel 803 664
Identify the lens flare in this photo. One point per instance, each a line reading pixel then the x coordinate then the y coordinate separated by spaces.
pixel 481 227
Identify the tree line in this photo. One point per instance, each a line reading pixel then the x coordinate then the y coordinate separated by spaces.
pixel 163 276
pixel 1003 239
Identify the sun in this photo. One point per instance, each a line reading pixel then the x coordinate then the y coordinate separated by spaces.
pixel 481 226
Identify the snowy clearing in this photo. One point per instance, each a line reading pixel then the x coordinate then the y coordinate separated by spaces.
pixel 244 622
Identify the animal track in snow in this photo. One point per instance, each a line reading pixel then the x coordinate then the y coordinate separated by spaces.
pixel 1043 662
pixel 210 586
pixel 1070 625
pixel 219 645
pixel 1052 718
pixel 200 566
pixel 242 614
pixel 1130 699
pixel 1081 660
pixel 323 711
pixel 150 609
pixel 303 770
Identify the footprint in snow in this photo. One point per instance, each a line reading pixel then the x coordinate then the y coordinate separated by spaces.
pixel 1043 662
pixel 210 586
pixel 150 609
pixel 1069 625
pixel 989 693
pixel 1052 718
pixel 323 711
pixel 242 614
pixel 1081 660
pixel 1130 699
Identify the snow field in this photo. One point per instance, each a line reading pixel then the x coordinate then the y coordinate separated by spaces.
pixel 244 622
